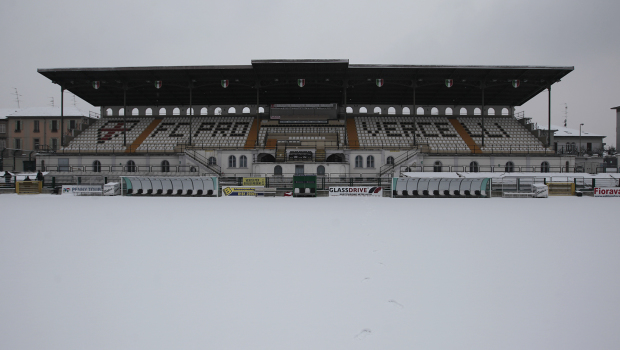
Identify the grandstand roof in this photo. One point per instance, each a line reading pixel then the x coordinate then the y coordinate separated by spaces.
pixel 325 81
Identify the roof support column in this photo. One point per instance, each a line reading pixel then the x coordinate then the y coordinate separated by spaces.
pixel 549 119
pixel 414 112
pixel 256 143
pixel 62 116
pixel 125 115
pixel 191 110
pixel 482 86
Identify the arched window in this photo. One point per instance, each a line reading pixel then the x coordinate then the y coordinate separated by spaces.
pixel 370 162
pixel 211 161
pixel 218 111
pixel 162 111
pixel 204 111
pixel 434 111
pixel 335 158
pixel 261 110
pixel 437 167
pixel 544 167
pixel 165 166
pixel 419 111
pixel 243 162
pixel 491 111
pixel 477 111
pixel 320 170
pixel 359 162
pixel 42 165
pixel 390 160
pixel 473 167
pixel 504 111
pixel 567 166
pixel 277 170
pixel 193 169
pixel 121 112
pixel 176 111
pixel 108 112
pixel 246 110
pixel 377 110
pixel 510 167
pixel 232 110
pixel 463 111
pixel 148 111
pixel 391 110
pixel 349 110
pixel 135 111
pixel 232 162
pixel 406 110
pixel 96 166
pixel 363 110
pixel 131 166
pixel 190 111
pixel 449 111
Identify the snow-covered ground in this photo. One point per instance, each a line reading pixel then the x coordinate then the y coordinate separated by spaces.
pixel 312 273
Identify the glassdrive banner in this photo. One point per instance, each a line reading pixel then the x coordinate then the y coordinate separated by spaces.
pixel 253 181
pixel 355 191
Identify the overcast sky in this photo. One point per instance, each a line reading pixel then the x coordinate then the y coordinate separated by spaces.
pixel 112 33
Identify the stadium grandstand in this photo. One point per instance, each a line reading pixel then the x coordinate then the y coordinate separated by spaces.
pixel 278 118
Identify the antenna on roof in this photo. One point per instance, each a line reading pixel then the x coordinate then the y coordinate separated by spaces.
pixel 565 115
pixel 16 97
pixel 74 105
pixel 52 101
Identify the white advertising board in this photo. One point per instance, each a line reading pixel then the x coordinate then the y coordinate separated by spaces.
pixel 356 191
pixel 607 192
pixel 82 189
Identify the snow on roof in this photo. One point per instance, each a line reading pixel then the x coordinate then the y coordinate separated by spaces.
pixel 69 111
pixel 7 111
pixel 564 131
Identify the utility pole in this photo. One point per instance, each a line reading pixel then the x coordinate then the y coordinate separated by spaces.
pixel 17 97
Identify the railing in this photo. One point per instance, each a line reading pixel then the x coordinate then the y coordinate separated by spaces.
pixel 493 150
pixel 494 169
pixel 216 169
pixel 397 162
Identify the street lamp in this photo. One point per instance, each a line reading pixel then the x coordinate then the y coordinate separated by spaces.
pixel 580 125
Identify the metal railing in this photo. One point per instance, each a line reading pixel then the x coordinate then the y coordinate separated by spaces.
pixel 492 169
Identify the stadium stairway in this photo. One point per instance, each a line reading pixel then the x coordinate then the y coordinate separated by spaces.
pixel 352 134
pixel 252 137
pixel 271 144
pixel 465 136
pixel 319 156
pixel 138 141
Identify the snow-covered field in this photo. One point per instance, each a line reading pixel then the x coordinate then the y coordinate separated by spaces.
pixel 315 273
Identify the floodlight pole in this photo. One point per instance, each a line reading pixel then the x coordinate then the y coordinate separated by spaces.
pixel 580 125
pixel 62 115
pixel 257 107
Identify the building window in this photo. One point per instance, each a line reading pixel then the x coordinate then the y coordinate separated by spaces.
pixel 390 160
pixel 36 143
pixel 2 143
pixel 437 167
pixel 18 126
pixel 96 166
pixel 232 162
pixel 72 124
pixel 544 167
pixel 54 144
pixel 42 165
pixel 131 166
pixel 370 162
pixel 320 170
pixel 277 170
pixel 510 167
pixel 2 128
pixel 212 161
pixel 243 162
pixel 473 167
pixel 165 166
pixel 36 126
pixel 54 125
pixel 359 162
pixel 18 144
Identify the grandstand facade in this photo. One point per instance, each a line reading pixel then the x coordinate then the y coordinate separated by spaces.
pixel 324 117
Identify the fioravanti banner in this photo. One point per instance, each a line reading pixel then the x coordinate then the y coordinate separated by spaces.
pixel 607 192
pixel 356 191
pixel 239 191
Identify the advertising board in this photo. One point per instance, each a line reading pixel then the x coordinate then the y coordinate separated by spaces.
pixel 607 192
pixel 82 189
pixel 238 191
pixel 356 191
pixel 254 181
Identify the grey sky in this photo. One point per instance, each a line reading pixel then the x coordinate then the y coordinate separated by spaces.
pixel 141 33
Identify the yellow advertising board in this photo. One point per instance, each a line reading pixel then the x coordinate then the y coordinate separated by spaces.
pixel 253 181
